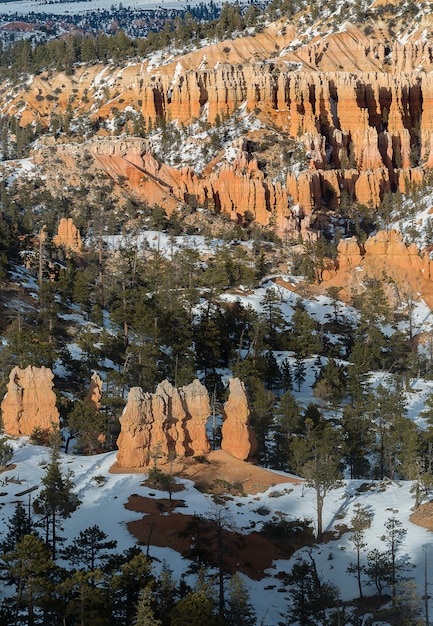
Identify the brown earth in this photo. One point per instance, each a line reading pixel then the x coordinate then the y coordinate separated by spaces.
pixel 220 468
pixel 423 516
pixel 163 525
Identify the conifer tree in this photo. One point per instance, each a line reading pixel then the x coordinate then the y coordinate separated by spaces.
pixel 29 564
pixel 316 454
pixel 360 522
pixel 239 610
pixel 56 500
pixel 88 551
pixel 145 615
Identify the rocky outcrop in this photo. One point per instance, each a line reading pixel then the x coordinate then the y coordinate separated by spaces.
pixel 68 236
pixel 237 435
pixel 169 422
pixel 30 402
pixel 362 106
pixel 385 254
pixel 94 393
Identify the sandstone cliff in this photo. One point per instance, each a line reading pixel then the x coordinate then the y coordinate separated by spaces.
pixel 360 104
pixel 170 421
pixel 383 256
pixel 238 438
pixel 30 402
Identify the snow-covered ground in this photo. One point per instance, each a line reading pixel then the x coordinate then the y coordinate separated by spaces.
pixel 103 505
pixel 61 8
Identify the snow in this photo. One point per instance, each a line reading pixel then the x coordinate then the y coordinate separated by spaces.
pixel 24 7
pixel 103 505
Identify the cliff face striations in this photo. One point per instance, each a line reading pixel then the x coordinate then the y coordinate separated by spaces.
pixel 172 421
pixel 360 105
pixel 30 402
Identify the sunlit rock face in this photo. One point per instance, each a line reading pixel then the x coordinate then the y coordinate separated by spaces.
pixel 30 402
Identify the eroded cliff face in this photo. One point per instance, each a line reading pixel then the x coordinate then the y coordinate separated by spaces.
pixel 30 402
pixel 172 421
pixel 387 258
pixel 362 107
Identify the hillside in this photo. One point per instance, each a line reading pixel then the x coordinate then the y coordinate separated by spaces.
pixel 215 246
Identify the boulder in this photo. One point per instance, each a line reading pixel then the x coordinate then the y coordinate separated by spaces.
pixel 30 402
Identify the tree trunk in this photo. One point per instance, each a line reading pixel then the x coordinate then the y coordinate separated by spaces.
pixel 319 499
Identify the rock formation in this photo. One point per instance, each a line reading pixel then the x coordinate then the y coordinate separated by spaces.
pixel 361 105
pixel 170 421
pixel 68 236
pixel 94 394
pixel 30 402
pixel 384 254
pixel 237 435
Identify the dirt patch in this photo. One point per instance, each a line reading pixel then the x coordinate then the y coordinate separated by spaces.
pixel 162 526
pixel 423 516
pixel 220 471
pixel 165 526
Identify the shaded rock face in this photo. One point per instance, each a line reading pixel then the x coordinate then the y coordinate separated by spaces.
pixel 169 421
pixel 30 402
pixel 238 438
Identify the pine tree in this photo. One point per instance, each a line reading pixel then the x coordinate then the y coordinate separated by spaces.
pixel 29 564
pixel 6 452
pixel 311 596
pixel 239 610
pixel 88 551
pixel 304 339
pixel 56 500
pixel 394 538
pixel 19 525
pixel 145 615
pixel 133 575
pixel 360 522
pixel 316 455
pixel 89 426
pixel 195 609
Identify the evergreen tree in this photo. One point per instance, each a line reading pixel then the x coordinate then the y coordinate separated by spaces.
pixel 6 452
pixel 56 500
pixel 262 403
pixel 358 437
pixel 166 592
pixel 88 551
pixel 19 525
pixel 133 575
pixel 299 371
pixel 145 615
pixel 239 610
pixel 89 426
pixel 394 538
pixel 195 609
pixel 360 522
pixel 304 340
pixel 317 455
pixel 272 319
pixel 29 564
pixel 331 383
pixel 311 596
